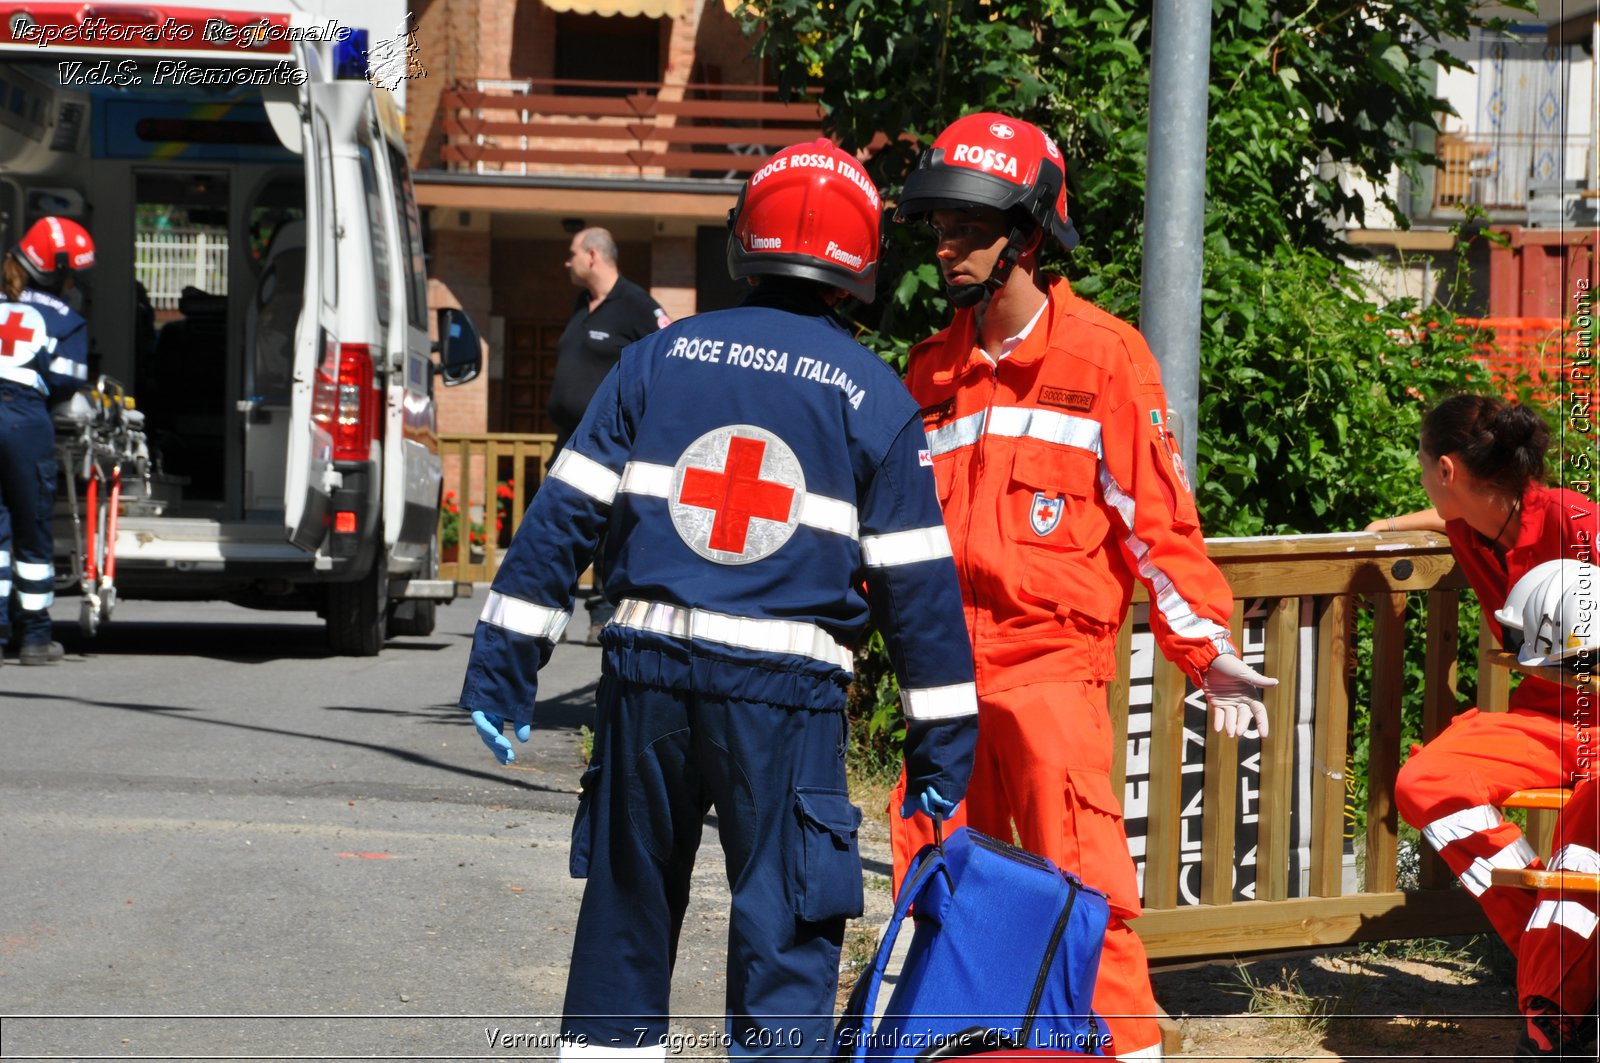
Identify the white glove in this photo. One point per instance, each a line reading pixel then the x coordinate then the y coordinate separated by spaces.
pixel 1230 687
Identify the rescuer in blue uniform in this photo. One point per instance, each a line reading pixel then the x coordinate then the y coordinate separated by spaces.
pixel 44 350
pixel 764 486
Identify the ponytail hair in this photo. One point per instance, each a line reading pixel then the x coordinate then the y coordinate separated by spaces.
pixel 12 279
pixel 1500 443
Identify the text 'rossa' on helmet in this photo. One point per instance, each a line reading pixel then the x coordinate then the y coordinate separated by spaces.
pixel 52 249
pixel 810 212
pixel 990 160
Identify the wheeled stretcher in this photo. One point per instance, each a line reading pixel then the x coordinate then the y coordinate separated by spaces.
pixel 100 440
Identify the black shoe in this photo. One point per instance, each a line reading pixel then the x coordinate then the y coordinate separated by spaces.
pixel 1547 1033
pixel 41 653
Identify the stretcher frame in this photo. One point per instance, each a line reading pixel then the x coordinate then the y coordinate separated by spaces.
pixel 98 435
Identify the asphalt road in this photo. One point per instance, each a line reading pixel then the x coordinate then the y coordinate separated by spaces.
pixel 218 841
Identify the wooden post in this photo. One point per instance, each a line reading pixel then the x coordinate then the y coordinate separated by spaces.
pixel 1438 704
pixel 1219 805
pixel 1162 860
pixel 1494 684
pixel 1277 751
pixel 1388 680
pixel 1330 736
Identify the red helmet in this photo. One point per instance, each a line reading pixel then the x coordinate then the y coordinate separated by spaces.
pixel 52 248
pixel 810 212
pixel 990 160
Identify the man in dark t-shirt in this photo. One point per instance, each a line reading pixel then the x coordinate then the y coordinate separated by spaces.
pixel 608 313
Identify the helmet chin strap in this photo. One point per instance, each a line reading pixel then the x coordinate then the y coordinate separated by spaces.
pixel 965 295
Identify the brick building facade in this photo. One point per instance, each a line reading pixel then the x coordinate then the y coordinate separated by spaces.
pixel 498 232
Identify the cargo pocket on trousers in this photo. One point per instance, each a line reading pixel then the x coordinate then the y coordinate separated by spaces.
pixel 1100 841
pixel 827 882
pixel 48 471
pixel 583 824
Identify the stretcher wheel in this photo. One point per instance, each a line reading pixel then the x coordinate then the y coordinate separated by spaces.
pixel 89 617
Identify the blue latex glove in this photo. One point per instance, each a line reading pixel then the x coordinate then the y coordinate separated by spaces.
pixel 491 730
pixel 930 803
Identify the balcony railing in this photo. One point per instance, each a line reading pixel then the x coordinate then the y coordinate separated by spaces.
pixel 613 128
pixel 1496 170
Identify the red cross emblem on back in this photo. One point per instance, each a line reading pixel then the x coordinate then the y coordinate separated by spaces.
pixel 14 331
pixel 736 494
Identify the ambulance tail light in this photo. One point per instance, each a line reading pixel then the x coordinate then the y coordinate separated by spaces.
pixel 344 402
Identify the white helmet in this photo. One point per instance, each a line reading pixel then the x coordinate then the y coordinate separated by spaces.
pixel 1562 618
pixel 1510 614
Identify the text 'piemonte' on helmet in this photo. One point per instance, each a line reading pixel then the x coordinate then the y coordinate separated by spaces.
pixel 813 213
pixel 992 160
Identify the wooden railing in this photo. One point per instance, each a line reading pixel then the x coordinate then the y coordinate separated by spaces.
pixel 635 128
pixel 474 467
pixel 1337 575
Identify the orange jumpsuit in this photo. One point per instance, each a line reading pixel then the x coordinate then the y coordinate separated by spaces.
pixel 1451 788
pixel 1060 485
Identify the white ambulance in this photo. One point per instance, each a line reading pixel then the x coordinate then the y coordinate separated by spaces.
pixel 259 287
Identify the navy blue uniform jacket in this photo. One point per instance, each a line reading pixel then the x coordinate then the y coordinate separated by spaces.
pixel 765 487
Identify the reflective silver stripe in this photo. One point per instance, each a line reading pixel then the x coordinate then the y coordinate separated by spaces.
pixel 642 478
pixel 1570 914
pixel 765 636
pixel 940 703
pixel 28 378
pixel 1462 824
pixel 962 432
pixel 828 514
pixel 5 557
pixel 1046 425
pixel 35 603
pixel 1578 858
pixel 587 475
pixel 905 547
pixel 1174 607
pixel 1478 876
pixel 1148 1052
pixel 525 618
pixel 33 570
pixel 5 588
pixel 68 367
pixel 816 511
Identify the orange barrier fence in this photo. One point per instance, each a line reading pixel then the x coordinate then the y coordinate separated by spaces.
pixel 1540 350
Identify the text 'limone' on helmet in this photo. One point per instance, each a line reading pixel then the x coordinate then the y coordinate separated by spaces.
pixel 810 212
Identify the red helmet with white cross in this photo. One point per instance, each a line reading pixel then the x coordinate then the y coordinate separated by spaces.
pixel 53 248
pixel 991 160
pixel 810 212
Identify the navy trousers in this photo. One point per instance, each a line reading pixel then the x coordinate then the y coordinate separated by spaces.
pixel 775 775
pixel 27 501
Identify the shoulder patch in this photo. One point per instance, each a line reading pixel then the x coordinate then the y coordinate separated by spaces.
pixel 1067 399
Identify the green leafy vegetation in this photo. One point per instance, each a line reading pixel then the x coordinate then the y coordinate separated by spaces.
pixel 1311 393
